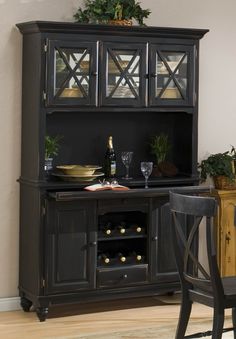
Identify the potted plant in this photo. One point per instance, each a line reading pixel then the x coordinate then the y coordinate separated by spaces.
pixel 111 11
pixel 51 150
pixel 160 146
pixel 220 167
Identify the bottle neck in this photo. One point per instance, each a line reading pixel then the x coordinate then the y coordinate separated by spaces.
pixel 110 143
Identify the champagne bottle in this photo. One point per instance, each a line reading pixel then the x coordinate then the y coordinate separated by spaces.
pixel 122 227
pixel 121 258
pixel 104 258
pixel 110 160
pixel 107 229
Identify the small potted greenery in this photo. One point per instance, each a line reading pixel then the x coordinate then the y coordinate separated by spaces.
pixel 119 12
pixel 160 147
pixel 51 150
pixel 220 167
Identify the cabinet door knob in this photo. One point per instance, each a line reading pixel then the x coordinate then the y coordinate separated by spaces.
pixel 93 243
pixel 154 238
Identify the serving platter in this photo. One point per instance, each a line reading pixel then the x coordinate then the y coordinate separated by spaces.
pixel 84 170
pixel 78 177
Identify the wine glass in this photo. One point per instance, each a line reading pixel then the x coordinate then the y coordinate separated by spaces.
pixel 146 169
pixel 126 158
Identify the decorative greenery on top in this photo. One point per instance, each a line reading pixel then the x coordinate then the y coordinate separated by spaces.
pixel 160 146
pixel 218 164
pixel 102 11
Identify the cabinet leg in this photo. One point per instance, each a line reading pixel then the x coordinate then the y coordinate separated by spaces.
pixel 25 304
pixel 42 313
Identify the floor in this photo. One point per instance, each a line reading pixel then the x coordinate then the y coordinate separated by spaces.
pixel 96 318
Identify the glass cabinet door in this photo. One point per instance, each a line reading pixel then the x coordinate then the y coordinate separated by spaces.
pixel 72 73
pixel 171 75
pixel 123 72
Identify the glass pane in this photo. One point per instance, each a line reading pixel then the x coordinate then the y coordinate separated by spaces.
pixel 123 74
pixel 71 71
pixel 171 70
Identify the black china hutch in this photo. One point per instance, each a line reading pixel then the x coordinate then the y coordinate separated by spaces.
pixel 86 82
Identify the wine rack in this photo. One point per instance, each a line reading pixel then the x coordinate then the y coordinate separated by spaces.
pixel 122 239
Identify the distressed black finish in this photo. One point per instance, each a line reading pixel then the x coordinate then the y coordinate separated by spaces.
pixel 59 221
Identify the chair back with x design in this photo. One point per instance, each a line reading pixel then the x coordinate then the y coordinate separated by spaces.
pixel 194 244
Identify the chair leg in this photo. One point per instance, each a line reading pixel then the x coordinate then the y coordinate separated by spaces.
pixel 185 310
pixel 218 323
pixel 234 320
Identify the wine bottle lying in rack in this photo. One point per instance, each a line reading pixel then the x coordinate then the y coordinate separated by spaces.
pixel 136 256
pixel 122 227
pixel 107 229
pixel 121 257
pixel 103 258
pixel 136 228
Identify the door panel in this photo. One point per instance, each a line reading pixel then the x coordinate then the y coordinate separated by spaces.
pixel 72 73
pixel 163 267
pixel 123 70
pixel 172 75
pixel 70 246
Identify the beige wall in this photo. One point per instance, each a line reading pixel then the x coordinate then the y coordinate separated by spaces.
pixel 217 111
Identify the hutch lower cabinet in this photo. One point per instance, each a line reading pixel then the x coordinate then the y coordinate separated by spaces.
pixel 67 256
pixel 83 83
pixel 226 231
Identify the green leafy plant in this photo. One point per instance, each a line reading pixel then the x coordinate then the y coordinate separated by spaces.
pixel 160 147
pixel 51 146
pixel 217 164
pixel 102 11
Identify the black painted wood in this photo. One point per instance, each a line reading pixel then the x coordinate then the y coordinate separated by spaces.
pixel 59 221
pixel 199 275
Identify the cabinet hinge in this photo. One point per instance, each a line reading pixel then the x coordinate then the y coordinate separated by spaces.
pixel 43 210
pixel 45 48
pixel 43 283
pixel 44 96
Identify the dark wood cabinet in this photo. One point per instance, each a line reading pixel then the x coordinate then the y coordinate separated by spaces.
pixel 86 82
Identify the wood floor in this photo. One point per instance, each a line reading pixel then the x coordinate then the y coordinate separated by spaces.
pixel 67 322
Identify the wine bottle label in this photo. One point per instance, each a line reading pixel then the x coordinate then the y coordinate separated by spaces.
pixel 106 260
pixel 113 167
pixel 122 230
pixel 139 257
pixel 108 232
pixel 138 229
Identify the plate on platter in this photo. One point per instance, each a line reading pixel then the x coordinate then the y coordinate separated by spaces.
pixel 78 177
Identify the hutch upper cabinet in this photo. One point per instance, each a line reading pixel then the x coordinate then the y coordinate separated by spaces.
pixel 84 83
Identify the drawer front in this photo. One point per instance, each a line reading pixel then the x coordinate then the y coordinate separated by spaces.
pixel 105 205
pixel 117 277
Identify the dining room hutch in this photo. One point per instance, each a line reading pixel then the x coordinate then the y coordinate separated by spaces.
pixel 86 82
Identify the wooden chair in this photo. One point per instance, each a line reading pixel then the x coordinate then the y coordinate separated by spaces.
pixel 200 278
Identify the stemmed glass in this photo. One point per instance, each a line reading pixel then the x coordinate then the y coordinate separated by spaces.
pixel 126 158
pixel 146 169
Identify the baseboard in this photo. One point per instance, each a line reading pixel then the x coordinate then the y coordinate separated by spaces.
pixel 9 304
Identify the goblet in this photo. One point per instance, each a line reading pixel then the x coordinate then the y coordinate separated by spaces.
pixel 146 169
pixel 126 158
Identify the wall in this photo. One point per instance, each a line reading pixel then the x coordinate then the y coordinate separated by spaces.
pixel 217 92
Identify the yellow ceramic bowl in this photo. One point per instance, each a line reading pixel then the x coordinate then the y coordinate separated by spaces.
pixel 84 170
